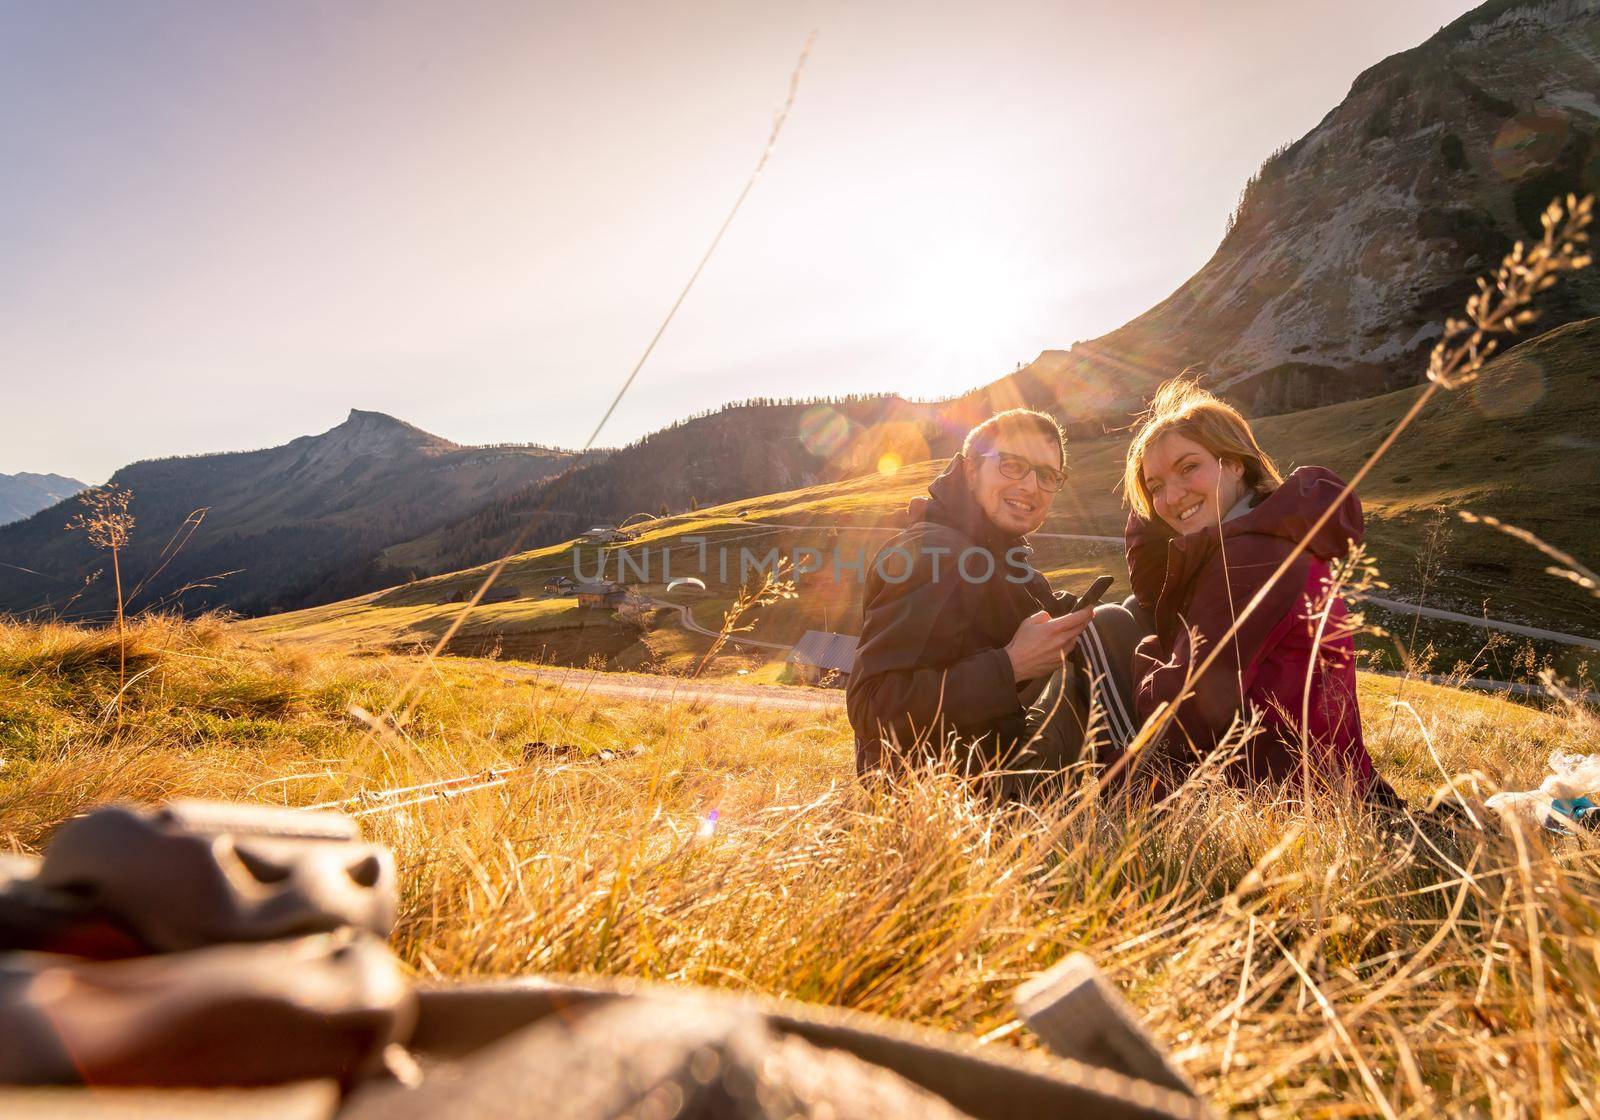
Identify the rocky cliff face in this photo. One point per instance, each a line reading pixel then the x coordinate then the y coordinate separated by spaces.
pixel 1352 243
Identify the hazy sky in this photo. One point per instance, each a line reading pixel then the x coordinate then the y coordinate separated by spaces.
pixel 222 225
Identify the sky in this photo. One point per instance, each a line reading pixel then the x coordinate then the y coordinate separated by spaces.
pixel 225 224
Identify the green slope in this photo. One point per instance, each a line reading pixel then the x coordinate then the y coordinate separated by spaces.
pixel 1521 445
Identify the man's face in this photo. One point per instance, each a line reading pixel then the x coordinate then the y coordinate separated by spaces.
pixel 1017 506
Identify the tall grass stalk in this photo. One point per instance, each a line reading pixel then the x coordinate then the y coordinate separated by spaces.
pixel 108 525
pixel 775 585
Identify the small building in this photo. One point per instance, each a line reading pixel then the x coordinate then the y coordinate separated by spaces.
pixel 823 658
pixel 601 594
pixel 560 585
pixel 608 534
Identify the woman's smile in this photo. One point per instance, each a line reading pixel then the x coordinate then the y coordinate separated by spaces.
pixel 1189 487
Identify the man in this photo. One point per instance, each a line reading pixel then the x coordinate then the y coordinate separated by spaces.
pixel 965 652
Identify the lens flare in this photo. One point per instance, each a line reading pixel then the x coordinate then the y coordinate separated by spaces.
pixel 888 447
pixel 823 431
pixel 1510 388
pixel 1528 141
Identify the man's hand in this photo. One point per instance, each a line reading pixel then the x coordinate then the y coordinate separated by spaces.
pixel 1041 642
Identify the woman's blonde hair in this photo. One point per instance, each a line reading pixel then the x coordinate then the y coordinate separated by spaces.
pixel 1181 406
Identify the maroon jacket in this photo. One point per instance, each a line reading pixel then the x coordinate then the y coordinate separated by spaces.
pixel 1194 585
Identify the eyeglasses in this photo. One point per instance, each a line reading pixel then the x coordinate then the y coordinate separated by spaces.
pixel 1016 468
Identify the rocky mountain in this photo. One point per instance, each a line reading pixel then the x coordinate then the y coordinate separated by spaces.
pixel 26 493
pixel 266 530
pixel 1348 249
pixel 1352 243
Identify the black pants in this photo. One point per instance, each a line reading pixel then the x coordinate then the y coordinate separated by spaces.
pixel 1086 706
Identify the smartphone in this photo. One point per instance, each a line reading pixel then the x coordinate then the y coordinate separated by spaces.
pixel 1092 596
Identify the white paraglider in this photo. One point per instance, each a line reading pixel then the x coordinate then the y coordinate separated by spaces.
pixel 685 581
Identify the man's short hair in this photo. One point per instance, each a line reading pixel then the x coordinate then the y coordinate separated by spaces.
pixel 1013 421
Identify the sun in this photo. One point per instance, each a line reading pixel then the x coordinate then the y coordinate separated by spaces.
pixel 968 314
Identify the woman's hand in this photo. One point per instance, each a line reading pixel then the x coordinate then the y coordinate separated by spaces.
pixel 1042 642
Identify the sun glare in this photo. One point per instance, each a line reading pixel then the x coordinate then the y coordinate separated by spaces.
pixel 972 313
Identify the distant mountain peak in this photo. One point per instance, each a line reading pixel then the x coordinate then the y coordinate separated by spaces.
pixel 367 432
pixel 291 525
pixel 26 493
pixel 370 416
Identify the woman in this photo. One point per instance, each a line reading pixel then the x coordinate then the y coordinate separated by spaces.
pixel 1212 521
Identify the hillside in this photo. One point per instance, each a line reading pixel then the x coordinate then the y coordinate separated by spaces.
pixel 24 494
pixel 1352 243
pixel 755 447
pixel 1507 446
pixel 282 527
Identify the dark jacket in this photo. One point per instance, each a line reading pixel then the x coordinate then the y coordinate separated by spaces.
pixel 1195 584
pixel 931 662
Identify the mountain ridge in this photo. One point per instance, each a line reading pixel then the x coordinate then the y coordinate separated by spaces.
pixel 27 492
pixel 270 528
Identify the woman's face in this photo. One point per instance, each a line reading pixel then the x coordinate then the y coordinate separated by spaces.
pixel 1190 488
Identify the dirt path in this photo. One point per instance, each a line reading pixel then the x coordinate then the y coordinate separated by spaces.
pixel 667 690
pixel 1482 623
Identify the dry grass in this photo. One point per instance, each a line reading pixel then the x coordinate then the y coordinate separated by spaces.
pixel 1293 970
pixel 1298 958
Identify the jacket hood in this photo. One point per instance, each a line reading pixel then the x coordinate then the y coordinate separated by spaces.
pixel 1287 513
pixel 1291 510
pixel 949 502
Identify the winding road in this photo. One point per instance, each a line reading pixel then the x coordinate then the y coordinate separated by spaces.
pixel 689 623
